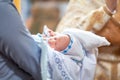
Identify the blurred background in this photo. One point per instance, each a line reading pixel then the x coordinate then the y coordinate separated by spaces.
pixel 37 13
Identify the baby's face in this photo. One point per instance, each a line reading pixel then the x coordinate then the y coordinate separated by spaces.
pixel 59 42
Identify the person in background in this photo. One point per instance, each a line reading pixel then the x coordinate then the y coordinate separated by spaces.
pixel 21 58
pixel 16 43
pixel 92 17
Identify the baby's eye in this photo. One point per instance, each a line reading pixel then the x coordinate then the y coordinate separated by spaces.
pixel 55 38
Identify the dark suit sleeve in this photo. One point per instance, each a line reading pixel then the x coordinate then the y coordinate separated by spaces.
pixel 16 42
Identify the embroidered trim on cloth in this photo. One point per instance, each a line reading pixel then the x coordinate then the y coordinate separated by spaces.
pixel 69 45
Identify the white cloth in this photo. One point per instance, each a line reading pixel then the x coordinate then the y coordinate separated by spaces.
pixel 74 50
pixel 88 39
pixel 63 68
pixel 81 39
pixel 57 66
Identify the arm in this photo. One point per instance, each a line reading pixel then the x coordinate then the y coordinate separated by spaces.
pixel 111 5
pixel 96 19
pixel 16 42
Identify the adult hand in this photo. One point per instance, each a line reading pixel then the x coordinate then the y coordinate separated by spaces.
pixel 111 5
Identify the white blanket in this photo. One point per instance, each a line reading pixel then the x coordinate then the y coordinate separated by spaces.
pixel 57 66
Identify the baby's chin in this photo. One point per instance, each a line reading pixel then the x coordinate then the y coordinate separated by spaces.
pixel 58 49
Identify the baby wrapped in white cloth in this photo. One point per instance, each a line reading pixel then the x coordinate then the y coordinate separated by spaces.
pixel 78 58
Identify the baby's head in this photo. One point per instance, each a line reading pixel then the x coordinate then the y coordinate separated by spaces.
pixel 59 42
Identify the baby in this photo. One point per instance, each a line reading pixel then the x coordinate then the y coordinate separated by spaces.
pixel 66 44
pixel 72 42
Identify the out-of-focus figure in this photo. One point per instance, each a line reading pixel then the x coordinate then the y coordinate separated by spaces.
pixel 87 15
pixel 43 15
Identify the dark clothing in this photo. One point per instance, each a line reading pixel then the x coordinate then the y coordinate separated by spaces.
pixel 19 54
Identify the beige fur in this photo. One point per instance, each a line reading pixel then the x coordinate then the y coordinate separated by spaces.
pixel 76 13
pixel 87 15
pixel 84 14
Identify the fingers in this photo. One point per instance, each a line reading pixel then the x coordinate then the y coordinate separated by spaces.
pixel 111 5
pixel 51 33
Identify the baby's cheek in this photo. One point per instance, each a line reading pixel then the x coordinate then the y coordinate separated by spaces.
pixel 59 47
pixel 51 44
